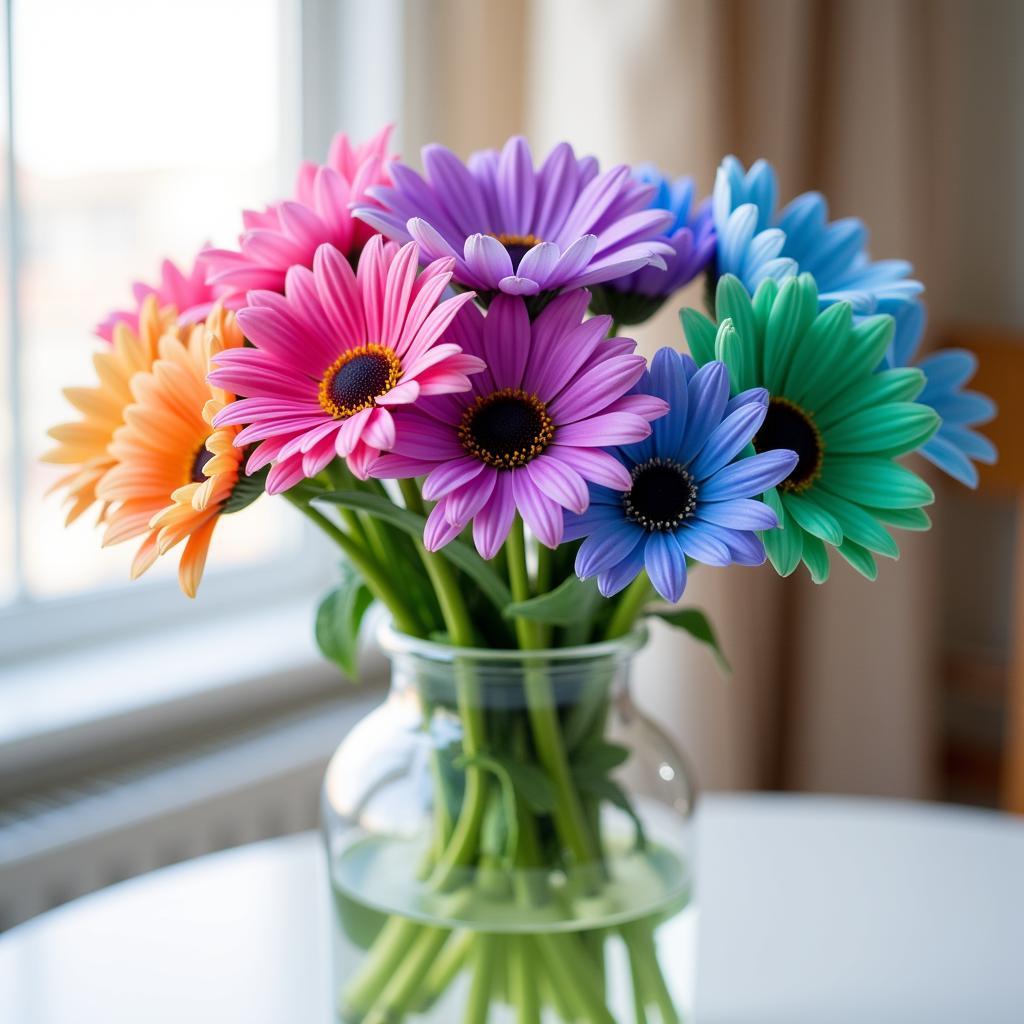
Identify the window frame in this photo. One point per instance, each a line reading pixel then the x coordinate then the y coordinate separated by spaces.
pixel 323 49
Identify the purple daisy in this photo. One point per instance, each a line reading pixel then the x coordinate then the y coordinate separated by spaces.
pixel 528 435
pixel 521 231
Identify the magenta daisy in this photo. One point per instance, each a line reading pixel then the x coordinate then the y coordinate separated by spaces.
pixel 529 434
pixel 334 354
pixel 188 292
pixel 511 228
pixel 288 233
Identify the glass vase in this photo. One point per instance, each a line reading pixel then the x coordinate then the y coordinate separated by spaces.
pixel 509 839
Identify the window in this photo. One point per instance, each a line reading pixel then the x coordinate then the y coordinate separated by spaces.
pixel 133 131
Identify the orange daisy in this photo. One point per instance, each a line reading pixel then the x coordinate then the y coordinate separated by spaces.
pixel 85 443
pixel 175 472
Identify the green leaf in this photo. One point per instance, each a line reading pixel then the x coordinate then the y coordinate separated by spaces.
pixel 459 554
pixel 530 782
pixel 573 601
pixel 599 757
pixel 603 788
pixel 246 490
pixel 339 618
pixel 696 623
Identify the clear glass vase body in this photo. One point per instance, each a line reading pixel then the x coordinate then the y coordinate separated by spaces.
pixel 509 839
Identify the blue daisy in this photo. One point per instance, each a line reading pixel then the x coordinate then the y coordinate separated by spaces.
pixel 692 494
pixel 947 373
pixel 756 243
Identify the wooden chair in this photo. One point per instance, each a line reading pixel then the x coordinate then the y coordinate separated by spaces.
pixel 1001 375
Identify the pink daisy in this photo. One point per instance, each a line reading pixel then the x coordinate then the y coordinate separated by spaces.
pixel 189 294
pixel 289 232
pixel 529 433
pixel 334 354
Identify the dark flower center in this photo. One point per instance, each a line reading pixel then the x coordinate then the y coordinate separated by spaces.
pixel 517 247
pixel 506 429
pixel 788 426
pixel 356 378
pixel 663 495
pixel 202 457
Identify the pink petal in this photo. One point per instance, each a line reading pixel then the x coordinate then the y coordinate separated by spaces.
pixel 542 515
pixel 602 431
pixel 560 482
pixel 595 465
pixel 438 530
pixel 494 520
pixel 449 475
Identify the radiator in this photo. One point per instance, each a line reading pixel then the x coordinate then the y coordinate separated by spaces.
pixel 222 789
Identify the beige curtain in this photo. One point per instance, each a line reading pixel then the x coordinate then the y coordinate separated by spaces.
pixel 833 687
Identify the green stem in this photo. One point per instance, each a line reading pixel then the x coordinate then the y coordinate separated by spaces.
pixel 545 576
pixel 524 981
pixel 479 1002
pixel 570 820
pixel 376 578
pixel 629 607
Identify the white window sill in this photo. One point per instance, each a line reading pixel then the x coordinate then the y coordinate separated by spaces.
pixel 97 698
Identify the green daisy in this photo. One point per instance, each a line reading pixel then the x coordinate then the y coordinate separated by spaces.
pixel 846 420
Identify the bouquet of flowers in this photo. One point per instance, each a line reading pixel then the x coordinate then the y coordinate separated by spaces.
pixel 431 367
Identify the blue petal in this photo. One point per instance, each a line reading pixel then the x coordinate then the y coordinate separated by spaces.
pixel 976 445
pixel 606 547
pixel 950 459
pixel 910 321
pixel 736 237
pixel 728 439
pixel 621 575
pixel 738 514
pixel 707 399
pixel 946 371
pixel 700 543
pixel 965 407
pixel 588 522
pixel 745 546
pixel 749 477
pixel 668 381
pixel 666 565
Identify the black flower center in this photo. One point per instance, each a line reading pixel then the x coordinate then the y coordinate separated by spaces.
pixel 506 429
pixel 202 457
pixel 517 247
pixel 356 378
pixel 788 426
pixel 663 495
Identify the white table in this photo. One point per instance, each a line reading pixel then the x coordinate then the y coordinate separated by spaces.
pixel 811 910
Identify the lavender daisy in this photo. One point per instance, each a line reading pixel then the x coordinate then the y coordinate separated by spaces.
pixel 529 435
pixel 691 234
pixel 688 495
pixel 513 229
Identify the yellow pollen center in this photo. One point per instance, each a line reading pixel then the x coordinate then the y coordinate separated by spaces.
pixel 506 429
pixel 520 241
pixel 357 378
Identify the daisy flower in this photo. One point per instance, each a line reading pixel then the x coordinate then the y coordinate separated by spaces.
pixel 187 292
pixel 513 229
pixel 947 372
pixel 690 234
pixel 288 233
pixel 846 422
pixel 528 435
pixel 756 243
pixel 175 473
pixel 334 355
pixel 85 443
pixel 688 494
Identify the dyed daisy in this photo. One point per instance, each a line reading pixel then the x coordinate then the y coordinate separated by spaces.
pixel 755 243
pixel 288 233
pixel 947 371
pixel 513 229
pixel 846 422
pixel 690 234
pixel 187 294
pixel 175 473
pixel 85 443
pixel 334 355
pixel 689 494
pixel 529 435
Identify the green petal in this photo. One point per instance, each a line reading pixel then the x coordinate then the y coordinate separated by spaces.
pixel 859 558
pixel 862 352
pixel 700 335
pixel 813 518
pixel 903 518
pixel 825 342
pixel 858 524
pixel 733 304
pixel 815 557
pixel 785 544
pixel 876 482
pixel 764 298
pixel 894 428
pixel 731 348
pixel 902 385
pixel 789 320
